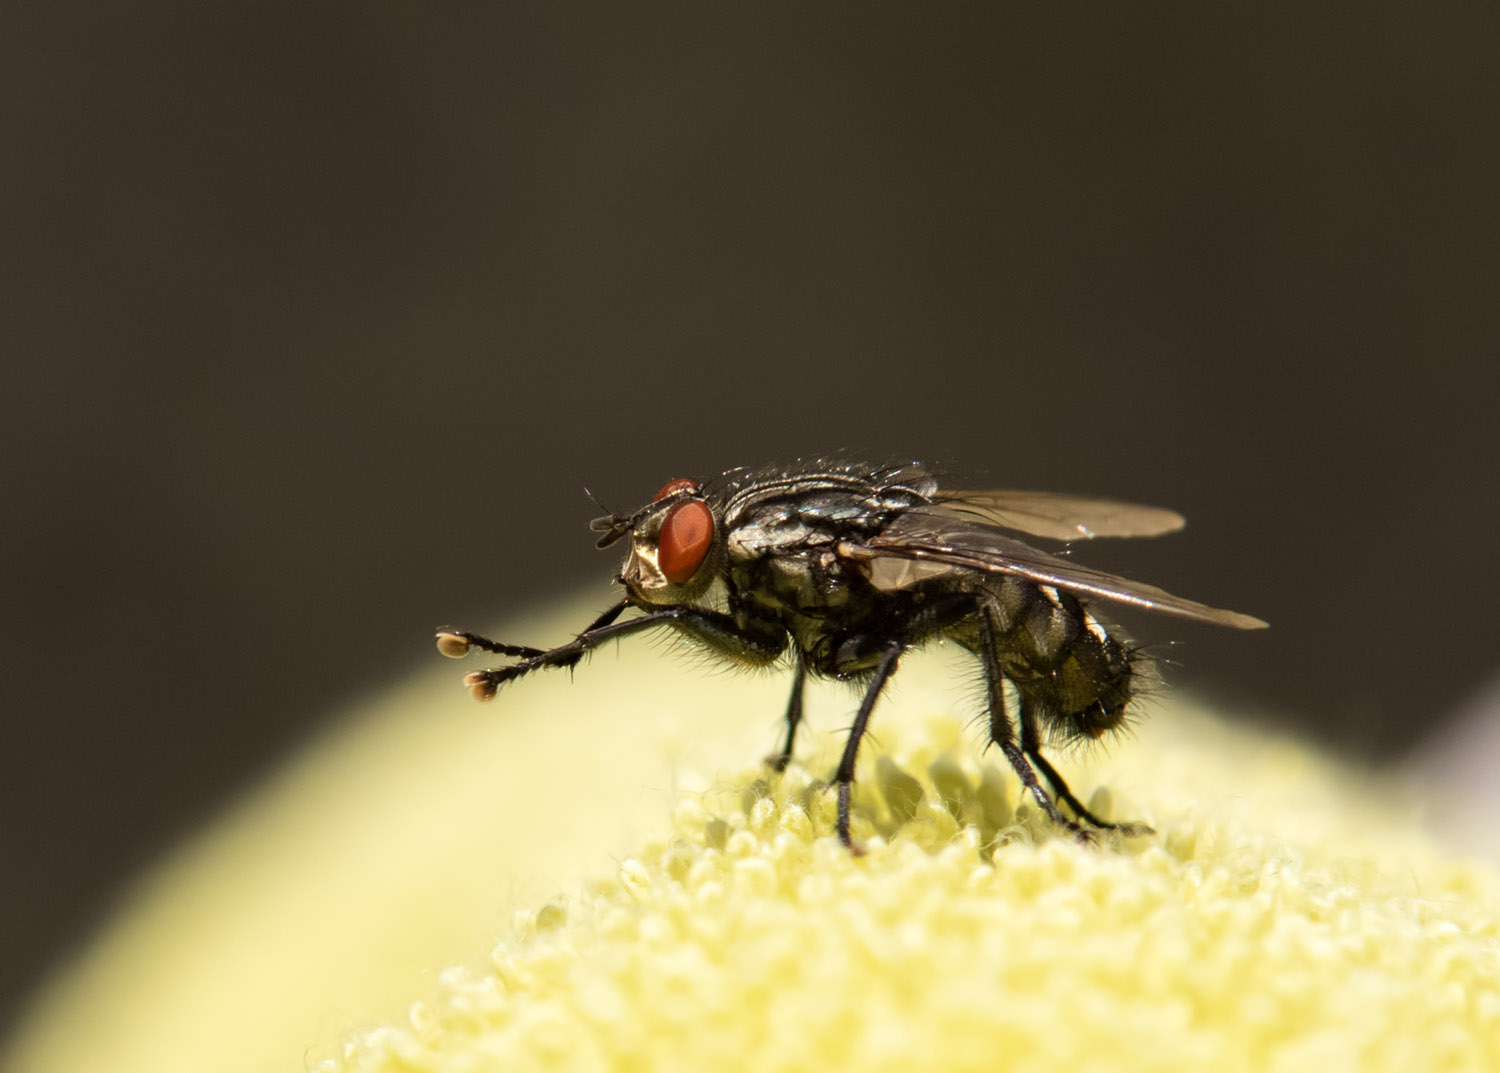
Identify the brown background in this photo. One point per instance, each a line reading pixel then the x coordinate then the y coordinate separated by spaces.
pixel 317 317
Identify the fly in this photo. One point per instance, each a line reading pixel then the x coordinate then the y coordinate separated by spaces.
pixel 848 566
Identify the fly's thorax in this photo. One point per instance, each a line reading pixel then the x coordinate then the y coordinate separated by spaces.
pixel 812 581
pixel 782 532
pixel 777 530
pixel 838 493
pixel 787 516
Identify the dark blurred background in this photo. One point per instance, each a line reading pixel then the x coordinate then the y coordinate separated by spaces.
pixel 318 317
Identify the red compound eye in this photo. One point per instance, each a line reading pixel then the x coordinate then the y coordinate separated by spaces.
pixel 671 488
pixel 686 535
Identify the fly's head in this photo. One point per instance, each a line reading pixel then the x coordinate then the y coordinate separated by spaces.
pixel 675 547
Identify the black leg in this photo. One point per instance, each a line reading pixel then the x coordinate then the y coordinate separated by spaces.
pixel 1003 733
pixel 1031 745
pixel 779 761
pixel 718 631
pixel 456 643
pixel 607 616
pixel 844 778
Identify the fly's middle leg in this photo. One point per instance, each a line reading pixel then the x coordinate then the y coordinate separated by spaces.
pixel 843 779
pixel 779 761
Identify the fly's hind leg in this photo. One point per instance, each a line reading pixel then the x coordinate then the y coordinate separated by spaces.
pixel 1003 732
pixel 778 761
pixel 1031 745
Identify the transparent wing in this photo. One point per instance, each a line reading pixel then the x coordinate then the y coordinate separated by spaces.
pixel 1062 517
pixel 935 536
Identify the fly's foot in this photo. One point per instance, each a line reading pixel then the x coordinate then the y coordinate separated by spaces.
pixel 453 645
pixel 777 761
pixel 1100 801
pixel 1126 829
pixel 480 686
pixel 1087 827
pixel 483 685
pixel 1085 836
pixel 845 792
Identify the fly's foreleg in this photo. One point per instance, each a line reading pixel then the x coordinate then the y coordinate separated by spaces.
pixel 457 643
pixel 718 631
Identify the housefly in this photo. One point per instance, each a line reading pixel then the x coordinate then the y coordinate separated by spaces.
pixel 847 566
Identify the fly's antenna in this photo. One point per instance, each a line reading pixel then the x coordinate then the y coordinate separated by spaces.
pixel 611 527
pixel 590 493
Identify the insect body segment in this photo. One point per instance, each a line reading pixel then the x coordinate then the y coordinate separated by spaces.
pixel 849 566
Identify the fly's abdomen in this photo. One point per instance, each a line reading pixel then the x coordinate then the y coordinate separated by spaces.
pixel 1077 674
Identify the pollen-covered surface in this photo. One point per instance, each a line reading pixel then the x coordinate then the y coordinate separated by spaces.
pixel 1291 926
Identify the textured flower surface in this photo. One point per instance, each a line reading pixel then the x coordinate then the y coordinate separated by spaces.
pixel 974 938
pixel 594 875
